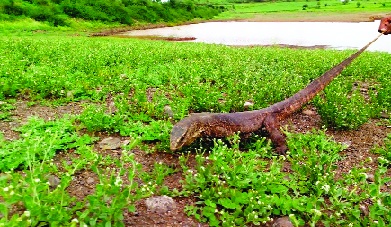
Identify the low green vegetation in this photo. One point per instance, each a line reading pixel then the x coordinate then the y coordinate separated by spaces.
pixel 137 89
pixel 128 12
pixel 235 183
pixel 238 188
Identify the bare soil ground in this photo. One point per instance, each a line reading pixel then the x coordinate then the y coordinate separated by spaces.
pixel 317 17
pixel 360 142
pixel 265 17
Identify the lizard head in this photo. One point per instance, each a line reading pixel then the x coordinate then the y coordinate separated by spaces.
pixel 184 133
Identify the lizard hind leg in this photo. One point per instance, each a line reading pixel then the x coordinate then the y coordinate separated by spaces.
pixel 272 126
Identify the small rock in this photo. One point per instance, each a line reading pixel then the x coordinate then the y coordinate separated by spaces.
pixel 54 181
pixel 221 101
pixel 248 104
pixel 309 112
pixel 370 177
pixel 125 142
pixel 283 222
pixel 69 163
pixel 364 210
pixel 90 180
pixel 110 143
pixel 168 111
pixel 347 143
pixel 160 204
pixel 384 115
pixel 70 94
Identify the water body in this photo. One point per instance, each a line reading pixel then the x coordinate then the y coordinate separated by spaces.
pixel 336 35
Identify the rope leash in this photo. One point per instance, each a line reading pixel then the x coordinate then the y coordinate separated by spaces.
pixel 374 40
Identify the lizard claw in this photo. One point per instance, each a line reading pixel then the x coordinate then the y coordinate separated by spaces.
pixel 281 150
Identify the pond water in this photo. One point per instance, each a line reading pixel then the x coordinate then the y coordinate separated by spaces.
pixel 337 35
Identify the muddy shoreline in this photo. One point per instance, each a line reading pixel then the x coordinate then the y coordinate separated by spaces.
pixel 345 17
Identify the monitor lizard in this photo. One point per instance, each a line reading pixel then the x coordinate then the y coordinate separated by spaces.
pixel 221 125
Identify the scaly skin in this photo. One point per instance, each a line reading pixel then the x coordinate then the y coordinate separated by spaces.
pixel 226 124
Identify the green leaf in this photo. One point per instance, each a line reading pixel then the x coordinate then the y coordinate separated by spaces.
pixel 227 203
pixel 208 202
pixel 280 189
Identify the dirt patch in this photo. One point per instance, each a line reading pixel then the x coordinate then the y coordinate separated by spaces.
pixel 115 31
pixel 265 17
pixel 151 37
pixel 24 111
pixel 316 17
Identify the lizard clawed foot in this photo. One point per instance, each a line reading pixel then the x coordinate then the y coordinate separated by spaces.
pixel 281 150
pixel 271 124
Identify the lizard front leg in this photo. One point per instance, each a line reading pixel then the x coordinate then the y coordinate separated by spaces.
pixel 272 126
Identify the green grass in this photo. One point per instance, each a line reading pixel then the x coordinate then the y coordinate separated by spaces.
pixel 142 77
pixel 332 6
pixel 295 9
pixel 123 86
pixel 236 188
pixel 28 26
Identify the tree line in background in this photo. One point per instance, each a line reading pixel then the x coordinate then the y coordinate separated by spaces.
pixel 123 11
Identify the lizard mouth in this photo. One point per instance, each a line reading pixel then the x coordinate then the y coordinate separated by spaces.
pixel 176 138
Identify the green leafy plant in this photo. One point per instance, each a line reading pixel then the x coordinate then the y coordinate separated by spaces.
pixel 112 196
pixel 342 110
pixel 40 140
pixel 5 110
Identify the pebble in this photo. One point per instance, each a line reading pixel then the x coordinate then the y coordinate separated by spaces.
pixel 160 204
pixel 309 112
pixel 54 181
pixel 283 222
pixel 347 143
pixel 384 115
pixel 168 111
pixel 364 210
pixel 370 177
pixel 125 142
pixel 248 104
pixel 70 94
pixel 90 180
pixel 110 143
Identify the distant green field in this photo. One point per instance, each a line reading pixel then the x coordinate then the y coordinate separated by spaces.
pixel 313 6
pixel 302 8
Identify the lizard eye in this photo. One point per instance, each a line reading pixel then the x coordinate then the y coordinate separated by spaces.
pixel 178 132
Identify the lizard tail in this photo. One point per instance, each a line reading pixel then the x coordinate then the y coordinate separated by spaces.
pixel 296 101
